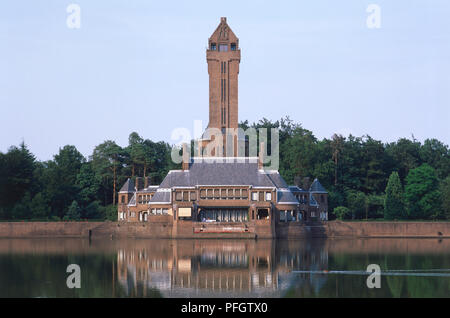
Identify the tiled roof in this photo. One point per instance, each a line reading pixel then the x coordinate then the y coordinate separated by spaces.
pixel 286 196
pixel 206 171
pixel 160 196
pixel 316 187
pixel 128 186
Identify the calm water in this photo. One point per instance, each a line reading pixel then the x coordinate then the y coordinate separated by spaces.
pixel 224 268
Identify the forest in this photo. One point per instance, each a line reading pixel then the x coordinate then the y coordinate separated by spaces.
pixel 365 178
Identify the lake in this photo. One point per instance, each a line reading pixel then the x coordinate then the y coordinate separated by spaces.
pixel 225 268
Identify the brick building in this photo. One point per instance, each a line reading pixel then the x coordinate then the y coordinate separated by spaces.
pixel 215 191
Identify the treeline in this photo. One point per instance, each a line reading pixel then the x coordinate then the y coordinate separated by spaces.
pixel 72 187
pixel 365 178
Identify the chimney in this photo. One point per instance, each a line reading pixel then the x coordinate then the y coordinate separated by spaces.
pixel 261 156
pixel 298 181
pixel 146 182
pixel 139 183
pixel 186 158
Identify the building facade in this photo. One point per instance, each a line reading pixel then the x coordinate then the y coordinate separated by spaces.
pixel 212 192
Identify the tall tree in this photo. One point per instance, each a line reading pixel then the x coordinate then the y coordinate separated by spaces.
pixel 423 198
pixel 107 159
pixel 394 207
pixel 336 146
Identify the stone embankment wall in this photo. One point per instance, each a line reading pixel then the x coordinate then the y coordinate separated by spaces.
pixel 164 227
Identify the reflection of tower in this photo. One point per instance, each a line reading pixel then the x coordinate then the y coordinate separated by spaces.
pixel 223 56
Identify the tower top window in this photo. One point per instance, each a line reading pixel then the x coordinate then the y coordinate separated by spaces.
pixel 233 46
pixel 213 46
pixel 223 47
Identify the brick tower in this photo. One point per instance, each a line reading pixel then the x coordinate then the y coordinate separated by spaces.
pixel 223 56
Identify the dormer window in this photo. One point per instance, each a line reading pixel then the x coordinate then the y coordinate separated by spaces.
pixel 223 47
pixel 233 46
pixel 213 46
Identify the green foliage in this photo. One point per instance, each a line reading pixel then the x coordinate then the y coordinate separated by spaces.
pixel 394 207
pixel 355 171
pixel 109 212
pixel 40 207
pixel 445 195
pixel 422 194
pixel 74 212
pixel 342 213
pixel 357 203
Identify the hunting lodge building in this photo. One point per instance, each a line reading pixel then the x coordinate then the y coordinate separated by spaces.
pixel 222 196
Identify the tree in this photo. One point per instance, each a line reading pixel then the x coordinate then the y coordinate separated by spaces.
pixel 445 197
pixel 422 193
pixel 16 175
pixel 337 146
pixel 74 212
pixel 357 203
pixel 107 159
pixel 394 207
pixel 437 155
pixel 40 206
pixel 342 213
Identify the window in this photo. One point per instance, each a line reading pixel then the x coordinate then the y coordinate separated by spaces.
pixel 244 194
pixel 202 194
pixel 254 196
pixel 209 193
pixel 237 194
pixel 216 194
pixel 223 48
pixel 223 194
pixel 165 211
pixel 185 196
pixel 122 199
pixel 193 196
pixel 213 46
pixel 313 214
pixel 233 46
pixel 261 196
pixel 268 196
pixel 133 214
pixel 178 196
pixel 230 193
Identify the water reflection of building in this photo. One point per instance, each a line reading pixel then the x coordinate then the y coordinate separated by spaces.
pixel 209 268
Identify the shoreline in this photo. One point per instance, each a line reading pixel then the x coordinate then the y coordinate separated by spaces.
pixel 241 230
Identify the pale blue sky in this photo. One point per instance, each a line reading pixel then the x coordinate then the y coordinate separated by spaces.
pixel 141 66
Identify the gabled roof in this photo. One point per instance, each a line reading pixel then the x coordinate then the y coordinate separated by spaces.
pixel 285 196
pixel 226 172
pixel 128 187
pixel 223 32
pixel 161 196
pixel 316 187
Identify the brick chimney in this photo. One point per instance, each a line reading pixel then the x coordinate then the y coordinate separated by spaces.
pixel 139 183
pixel 186 158
pixel 146 182
pixel 261 156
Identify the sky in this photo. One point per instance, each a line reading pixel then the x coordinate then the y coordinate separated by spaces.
pixel 141 66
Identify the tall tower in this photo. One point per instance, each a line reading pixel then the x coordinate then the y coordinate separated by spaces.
pixel 223 56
